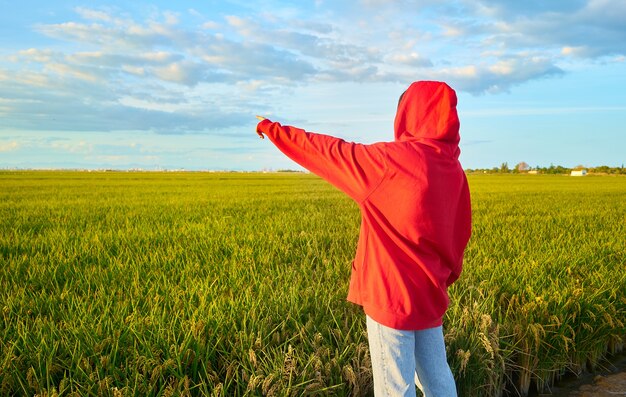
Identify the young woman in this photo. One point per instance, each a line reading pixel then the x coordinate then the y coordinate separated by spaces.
pixel 415 225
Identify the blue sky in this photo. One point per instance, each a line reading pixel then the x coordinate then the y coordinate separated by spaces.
pixel 177 84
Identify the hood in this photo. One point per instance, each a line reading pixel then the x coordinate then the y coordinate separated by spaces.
pixel 427 109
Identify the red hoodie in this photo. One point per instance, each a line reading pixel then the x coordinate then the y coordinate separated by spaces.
pixel 414 201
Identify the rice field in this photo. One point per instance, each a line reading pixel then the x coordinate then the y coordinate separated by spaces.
pixel 201 284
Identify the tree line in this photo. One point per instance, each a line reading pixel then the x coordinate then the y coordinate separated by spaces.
pixel 523 168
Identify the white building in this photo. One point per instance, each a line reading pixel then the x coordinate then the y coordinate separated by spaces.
pixel 578 173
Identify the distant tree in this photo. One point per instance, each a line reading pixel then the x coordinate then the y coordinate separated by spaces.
pixel 555 169
pixel 603 169
pixel 579 167
pixel 522 167
pixel 552 169
pixel 561 170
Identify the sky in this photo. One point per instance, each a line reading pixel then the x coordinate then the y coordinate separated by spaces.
pixel 177 85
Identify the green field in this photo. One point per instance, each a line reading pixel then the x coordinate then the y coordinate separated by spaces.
pixel 234 284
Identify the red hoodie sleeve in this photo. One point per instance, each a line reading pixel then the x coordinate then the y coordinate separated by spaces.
pixel 354 168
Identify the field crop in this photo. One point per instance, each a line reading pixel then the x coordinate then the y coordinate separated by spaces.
pixel 234 284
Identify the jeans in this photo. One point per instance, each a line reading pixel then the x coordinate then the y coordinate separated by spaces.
pixel 402 359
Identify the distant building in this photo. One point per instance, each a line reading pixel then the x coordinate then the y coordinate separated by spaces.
pixel 532 172
pixel 578 173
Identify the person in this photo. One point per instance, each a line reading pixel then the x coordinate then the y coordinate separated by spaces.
pixel 415 224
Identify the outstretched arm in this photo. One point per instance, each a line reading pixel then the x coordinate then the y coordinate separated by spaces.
pixel 354 168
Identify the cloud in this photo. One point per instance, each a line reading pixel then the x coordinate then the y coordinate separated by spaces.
pixel 411 59
pixel 595 28
pixel 186 72
pixel 35 55
pixel 504 9
pixel 81 147
pixel 130 78
pixel 109 71
pixel 9 146
pixel 307 47
pixel 303 51
pixel 184 56
pixel 76 105
pixel 94 15
pixel 210 25
pixel 500 76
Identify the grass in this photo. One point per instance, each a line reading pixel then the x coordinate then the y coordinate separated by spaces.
pixel 234 284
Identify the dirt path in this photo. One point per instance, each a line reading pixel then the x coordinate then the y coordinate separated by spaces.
pixel 603 386
pixel 612 383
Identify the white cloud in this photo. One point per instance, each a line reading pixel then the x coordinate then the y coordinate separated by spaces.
pixel 171 18
pixel 65 71
pixel 463 72
pixel 236 21
pixel 503 68
pixel 9 146
pixel 35 55
pixel 158 74
pixel 136 70
pixel 597 26
pixel 94 15
pixel 210 25
pixel 185 72
pixel 289 53
pixel 500 76
pixel 411 59
pixel 72 147
pixel 580 51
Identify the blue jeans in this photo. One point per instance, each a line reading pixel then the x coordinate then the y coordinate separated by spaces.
pixel 402 359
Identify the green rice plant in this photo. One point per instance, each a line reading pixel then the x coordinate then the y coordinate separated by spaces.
pixel 547 254
pixel 227 284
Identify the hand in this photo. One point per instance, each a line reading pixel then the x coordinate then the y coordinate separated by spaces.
pixel 259 133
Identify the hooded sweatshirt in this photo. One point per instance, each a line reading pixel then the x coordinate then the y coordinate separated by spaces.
pixel 414 202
